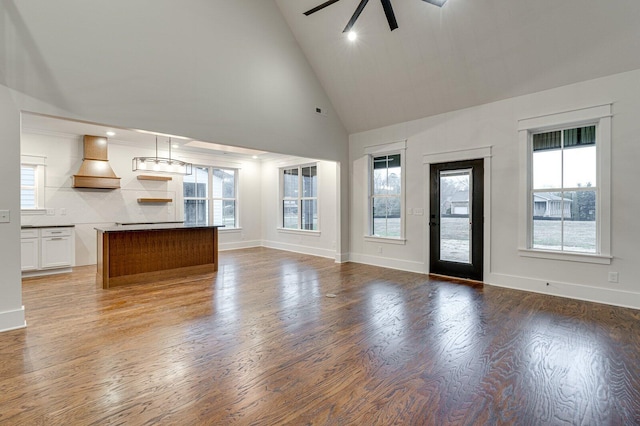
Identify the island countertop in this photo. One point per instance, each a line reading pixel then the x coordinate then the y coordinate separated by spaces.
pixel 153 227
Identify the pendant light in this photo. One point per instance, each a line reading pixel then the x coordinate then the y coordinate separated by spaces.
pixel 160 164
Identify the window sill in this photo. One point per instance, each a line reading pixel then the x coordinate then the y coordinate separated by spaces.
pixel 569 257
pixel 33 212
pixel 299 232
pixel 385 240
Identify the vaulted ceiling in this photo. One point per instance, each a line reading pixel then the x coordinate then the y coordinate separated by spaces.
pixel 468 52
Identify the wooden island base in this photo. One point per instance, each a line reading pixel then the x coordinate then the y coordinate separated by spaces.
pixel 143 254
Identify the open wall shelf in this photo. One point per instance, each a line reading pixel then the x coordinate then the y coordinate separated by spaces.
pixel 150 177
pixel 154 200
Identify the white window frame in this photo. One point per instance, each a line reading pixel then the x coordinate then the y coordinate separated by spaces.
pixel 209 199
pixel 38 163
pixel 393 148
pixel 299 199
pixel 601 117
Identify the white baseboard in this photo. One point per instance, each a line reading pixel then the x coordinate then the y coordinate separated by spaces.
pixel 239 245
pixel 42 272
pixel 402 265
pixel 342 257
pixel 608 296
pixel 313 251
pixel 12 320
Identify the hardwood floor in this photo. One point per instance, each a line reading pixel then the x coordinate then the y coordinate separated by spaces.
pixel 259 343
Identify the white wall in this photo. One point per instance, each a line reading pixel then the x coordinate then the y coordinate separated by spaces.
pixel 495 125
pixel 11 310
pixel 322 243
pixel 88 208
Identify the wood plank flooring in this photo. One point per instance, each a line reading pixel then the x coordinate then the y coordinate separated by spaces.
pixel 259 343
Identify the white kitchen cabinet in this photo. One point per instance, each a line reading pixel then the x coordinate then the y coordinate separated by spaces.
pixel 47 250
pixel 30 250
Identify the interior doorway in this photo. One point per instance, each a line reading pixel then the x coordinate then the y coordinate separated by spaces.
pixel 456 219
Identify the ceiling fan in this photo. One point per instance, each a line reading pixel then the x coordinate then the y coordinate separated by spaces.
pixel 386 5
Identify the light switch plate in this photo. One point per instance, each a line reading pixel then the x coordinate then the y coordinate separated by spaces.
pixel 5 216
pixel 418 212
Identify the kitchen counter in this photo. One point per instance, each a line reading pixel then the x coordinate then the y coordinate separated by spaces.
pixel 153 227
pixel 139 254
pixel 45 226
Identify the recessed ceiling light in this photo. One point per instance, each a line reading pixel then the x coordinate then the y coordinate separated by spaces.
pixel 175 145
pixel 351 35
pixel 110 133
pixel 255 157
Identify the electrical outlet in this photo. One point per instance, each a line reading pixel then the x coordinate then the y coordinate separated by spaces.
pixel 51 212
pixel 63 212
pixel 5 216
pixel 613 277
pixel 379 249
pixel 409 211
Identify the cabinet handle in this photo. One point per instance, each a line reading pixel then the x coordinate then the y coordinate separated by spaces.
pixel 56 232
pixel 56 239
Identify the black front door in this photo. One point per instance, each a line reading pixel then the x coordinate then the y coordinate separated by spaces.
pixel 456 219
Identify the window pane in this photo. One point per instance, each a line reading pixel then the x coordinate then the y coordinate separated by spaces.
pixel 290 183
pixel 580 221
pixel 28 187
pixel 27 199
pixel 579 167
pixel 580 136
pixel 545 141
pixel 202 181
pixel 547 169
pixel 228 184
pixel 309 181
pixel 195 212
pixel 380 186
pixel 290 214
pixel 386 216
pixel 310 215
pixel 547 223
pixel 229 213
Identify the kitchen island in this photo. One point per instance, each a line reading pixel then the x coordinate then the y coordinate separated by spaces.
pixel 138 254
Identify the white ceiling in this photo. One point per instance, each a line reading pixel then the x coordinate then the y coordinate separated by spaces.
pixel 467 53
pixel 36 123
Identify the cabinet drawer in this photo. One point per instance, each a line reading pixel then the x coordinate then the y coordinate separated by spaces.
pixel 28 233
pixel 55 232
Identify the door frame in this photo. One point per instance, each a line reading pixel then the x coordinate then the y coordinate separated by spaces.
pixel 475 267
pixel 448 157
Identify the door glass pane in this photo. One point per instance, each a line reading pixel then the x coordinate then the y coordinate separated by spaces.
pixel 455 209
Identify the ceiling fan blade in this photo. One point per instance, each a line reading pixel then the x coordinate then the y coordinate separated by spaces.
pixel 320 7
pixel 391 17
pixel 357 13
pixel 438 3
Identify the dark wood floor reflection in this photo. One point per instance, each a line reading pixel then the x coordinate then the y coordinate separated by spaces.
pixel 259 342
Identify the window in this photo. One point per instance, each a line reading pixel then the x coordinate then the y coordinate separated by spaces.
pixel 300 198
pixel 566 176
pixel 385 196
pixel 564 190
pixel 32 170
pixel 28 186
pixel 210 197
